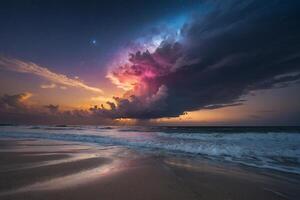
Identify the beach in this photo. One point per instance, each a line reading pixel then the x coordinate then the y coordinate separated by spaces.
pixel 49 169
pixel 150 100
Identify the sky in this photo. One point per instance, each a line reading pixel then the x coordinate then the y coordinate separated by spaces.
pixel 204 62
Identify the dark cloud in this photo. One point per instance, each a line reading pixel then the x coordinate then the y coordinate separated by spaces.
pixel 52 108
pixel 13 102
pixel 233 49
pixel 15 109
pixel 216 106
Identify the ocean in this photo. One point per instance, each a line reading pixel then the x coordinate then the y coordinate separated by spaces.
pixel 276 148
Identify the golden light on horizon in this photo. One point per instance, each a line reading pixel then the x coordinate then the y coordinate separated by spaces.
pixel 126 121
pixel 226 114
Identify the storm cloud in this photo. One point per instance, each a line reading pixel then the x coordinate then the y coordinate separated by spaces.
pixel 235 47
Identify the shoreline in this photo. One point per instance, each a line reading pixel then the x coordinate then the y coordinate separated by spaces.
pixel 41 169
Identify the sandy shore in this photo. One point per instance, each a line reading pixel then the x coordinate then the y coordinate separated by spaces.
pixel 33 169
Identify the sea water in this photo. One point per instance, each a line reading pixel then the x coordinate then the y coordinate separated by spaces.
pixel 276 148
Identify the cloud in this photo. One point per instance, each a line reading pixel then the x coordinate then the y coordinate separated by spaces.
pixel 15 109
pixel 224 54
pixel 234 48
pixel 31 68
pixel 50 86
pixel 63 87
pixel 101 98
pixel 52 108
pixel 14 102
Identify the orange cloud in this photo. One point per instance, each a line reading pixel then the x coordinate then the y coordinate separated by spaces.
pixel 50 86
pixel 32 68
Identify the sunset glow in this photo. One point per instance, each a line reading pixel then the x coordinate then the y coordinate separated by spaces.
pixel 180 67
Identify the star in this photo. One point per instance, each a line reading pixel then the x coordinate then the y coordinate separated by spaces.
pixel 94 42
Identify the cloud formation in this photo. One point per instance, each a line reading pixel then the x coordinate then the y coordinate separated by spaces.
pixel 32 68
pixel 222 55
pixel 233 49
pixel 49 86
pixel 16 109
pixel 14 102
pixel 52 108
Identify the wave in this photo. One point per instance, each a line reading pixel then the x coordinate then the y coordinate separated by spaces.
pixel 273 150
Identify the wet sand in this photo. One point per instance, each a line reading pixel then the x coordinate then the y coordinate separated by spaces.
pixel 40 169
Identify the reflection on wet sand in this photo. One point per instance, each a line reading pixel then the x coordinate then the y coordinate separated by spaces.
pixel 103 159
pixel 82 177
pixel 66 159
